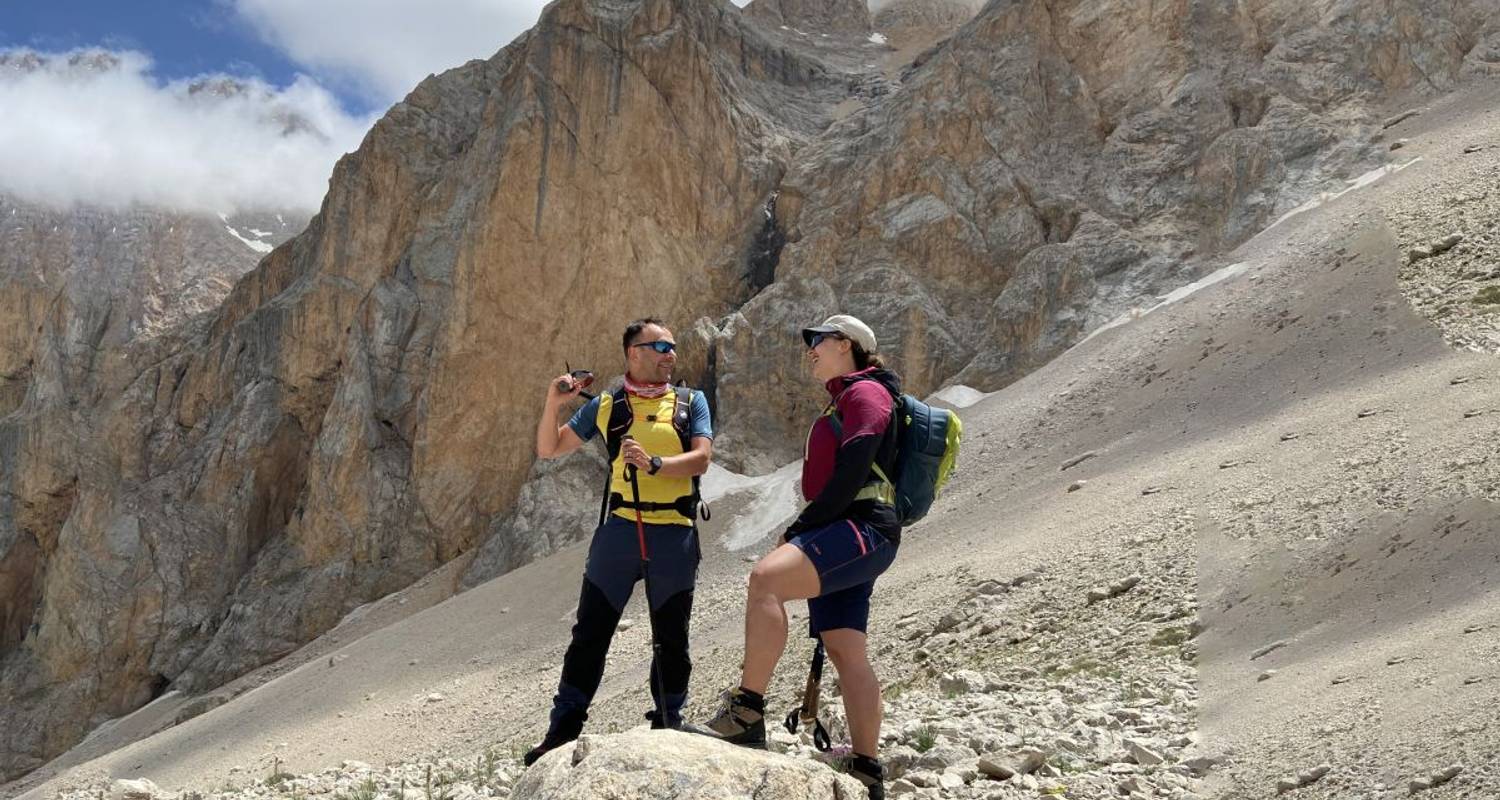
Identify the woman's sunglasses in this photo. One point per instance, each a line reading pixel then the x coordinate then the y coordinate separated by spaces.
pixel 660 345
pixel 818 338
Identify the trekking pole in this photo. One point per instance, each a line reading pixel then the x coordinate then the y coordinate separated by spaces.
pixel 660 695
pixel 808 711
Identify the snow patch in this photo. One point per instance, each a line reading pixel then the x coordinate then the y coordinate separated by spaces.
pixel 259 247
pixel 959 396
pixel 1328 197
pixel 1234 269
pixel 1171 297
pixel 877 38
pixel 774 501
pixel 259 234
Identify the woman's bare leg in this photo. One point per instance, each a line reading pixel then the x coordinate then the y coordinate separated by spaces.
pixel 784 574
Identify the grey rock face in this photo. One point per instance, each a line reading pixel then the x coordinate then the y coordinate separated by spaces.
pixel 813 16
pixel 981 220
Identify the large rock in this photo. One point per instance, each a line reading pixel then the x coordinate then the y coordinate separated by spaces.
pixel 670 765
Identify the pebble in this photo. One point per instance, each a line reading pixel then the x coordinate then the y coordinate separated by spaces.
pixel 1141 754
pixel 1392 122
pixel 1436 779
pixel 1022 762
pixel 1268 649
pixel 138 789
pixel 1305 778
pixel 1202 764
pixel 1076 460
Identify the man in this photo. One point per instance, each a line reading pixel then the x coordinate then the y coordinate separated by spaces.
pixel 669 441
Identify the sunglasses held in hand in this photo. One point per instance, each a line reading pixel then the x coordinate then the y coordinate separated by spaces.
pixel 582 379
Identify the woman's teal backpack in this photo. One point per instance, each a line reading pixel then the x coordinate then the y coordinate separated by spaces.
pixel 927 441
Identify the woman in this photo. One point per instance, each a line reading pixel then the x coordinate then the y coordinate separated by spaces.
pixel 844 538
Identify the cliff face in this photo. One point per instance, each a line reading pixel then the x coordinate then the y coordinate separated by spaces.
pixel 358 410
pixel 77 285
pixel 1053 163
pixel 817 17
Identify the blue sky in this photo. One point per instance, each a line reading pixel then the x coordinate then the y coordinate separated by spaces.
pixel 125 129
pixel 187 38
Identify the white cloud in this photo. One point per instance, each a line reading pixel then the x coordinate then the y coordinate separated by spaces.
pixel 383 48
pixel 96 127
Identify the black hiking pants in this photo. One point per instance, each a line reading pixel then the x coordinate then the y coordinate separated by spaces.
pixel 613 568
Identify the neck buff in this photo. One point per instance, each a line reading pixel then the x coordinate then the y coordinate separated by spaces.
pixel 647 390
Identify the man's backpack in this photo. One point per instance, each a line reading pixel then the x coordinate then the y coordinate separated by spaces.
pixel 927 441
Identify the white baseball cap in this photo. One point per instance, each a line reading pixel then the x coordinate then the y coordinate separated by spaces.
pixel 846 326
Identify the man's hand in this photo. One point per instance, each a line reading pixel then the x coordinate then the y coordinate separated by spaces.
pixel 635 455
pixel 562 388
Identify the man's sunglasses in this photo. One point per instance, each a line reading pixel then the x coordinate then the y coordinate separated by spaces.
pixel 660 345
pixel 818 338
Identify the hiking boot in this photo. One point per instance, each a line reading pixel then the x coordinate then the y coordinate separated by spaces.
pixel 869 772
pixel 558 734
pixel 740 721
pixel 674 721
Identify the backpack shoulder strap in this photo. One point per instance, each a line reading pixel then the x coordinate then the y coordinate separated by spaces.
pixel 682 422
pixel 617 422
pixel 682 416
pixel 614 419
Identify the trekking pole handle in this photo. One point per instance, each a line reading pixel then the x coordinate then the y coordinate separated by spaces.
pixel 629 467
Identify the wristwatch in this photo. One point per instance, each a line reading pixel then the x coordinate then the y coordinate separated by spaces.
pixel 655 465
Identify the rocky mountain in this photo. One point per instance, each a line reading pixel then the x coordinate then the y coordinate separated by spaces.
pixel 357 411
pixel 918 24
pixel 813 17
pixel 79 287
